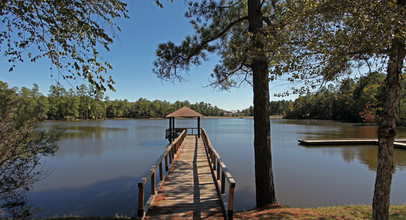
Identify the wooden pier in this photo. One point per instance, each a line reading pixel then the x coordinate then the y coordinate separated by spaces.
pixel 399 143
pixel 192 185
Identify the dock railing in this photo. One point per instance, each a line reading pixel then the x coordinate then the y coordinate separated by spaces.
pixel 175 132
pixel 169 154
pixel 189 130
pixel 221 175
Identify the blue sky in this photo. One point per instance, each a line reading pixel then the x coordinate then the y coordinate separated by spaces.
pixel 132 55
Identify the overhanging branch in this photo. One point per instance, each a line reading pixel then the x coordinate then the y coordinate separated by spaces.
pixel 204 43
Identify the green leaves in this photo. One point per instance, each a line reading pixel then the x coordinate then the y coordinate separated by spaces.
pixel 333 37
pixel 69 33
pixel 159 4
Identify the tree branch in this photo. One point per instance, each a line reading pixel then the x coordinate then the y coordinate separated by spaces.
pixel 203 44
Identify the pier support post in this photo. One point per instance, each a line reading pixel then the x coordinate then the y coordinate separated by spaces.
pixel 161 175
pixel 223 183
pixel 166 163
pixel 153 192
pixel 140 200
pixel 218 170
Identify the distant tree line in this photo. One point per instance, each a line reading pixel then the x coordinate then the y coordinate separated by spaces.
pixel 358 100
pixel 353 100
pixel 89 103
pixel 144 108
pixel 276 108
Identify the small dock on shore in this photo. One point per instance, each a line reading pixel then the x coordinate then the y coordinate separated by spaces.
pixel 399 143
pixel 194 183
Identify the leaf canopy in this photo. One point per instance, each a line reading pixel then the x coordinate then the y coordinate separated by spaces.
pixel 332 38
pixel 69 33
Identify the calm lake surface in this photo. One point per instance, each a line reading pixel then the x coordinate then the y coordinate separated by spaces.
pixel 96 170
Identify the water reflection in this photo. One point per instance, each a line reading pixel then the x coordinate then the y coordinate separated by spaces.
pixel 94 138
pixel 99 163
pixel 16 206
pixel 365 154
pixel 322 129
pixel 87 132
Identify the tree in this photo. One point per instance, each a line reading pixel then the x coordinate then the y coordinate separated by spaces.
pixel 402 106
pixel 265 191
pixel 351 101
pixel 332 37
pixel 32 102
pixel 57 98
pixel 95 107
pixel 368 93
pixel 68 33
pixel 84 101
pixel 246 36
pixel 72 102
pixel 21 147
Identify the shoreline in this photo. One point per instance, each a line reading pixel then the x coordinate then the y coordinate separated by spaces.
pixel 160 118
pixel 277 211
pixel 361 124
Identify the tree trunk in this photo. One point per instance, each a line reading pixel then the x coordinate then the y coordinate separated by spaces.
pixel 96 108
pixel 387 129
pixel 265 191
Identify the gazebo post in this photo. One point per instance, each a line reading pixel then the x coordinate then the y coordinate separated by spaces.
pixel 198 127
pixel 170 125
pixel 171 129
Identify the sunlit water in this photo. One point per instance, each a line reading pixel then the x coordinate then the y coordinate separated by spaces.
pixel 96 170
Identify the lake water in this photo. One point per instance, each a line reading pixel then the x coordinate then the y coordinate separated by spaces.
pixel 98 165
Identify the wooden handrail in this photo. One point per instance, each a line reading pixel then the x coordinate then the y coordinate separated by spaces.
pixel 170 152
pixel 222 172
pixel 175 131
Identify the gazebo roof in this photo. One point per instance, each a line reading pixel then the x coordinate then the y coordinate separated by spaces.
pixel 184 112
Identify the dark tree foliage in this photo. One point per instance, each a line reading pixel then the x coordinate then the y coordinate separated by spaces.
pixel 350 101
pixel 90 103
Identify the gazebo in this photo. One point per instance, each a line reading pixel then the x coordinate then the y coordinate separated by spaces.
pixel 183 112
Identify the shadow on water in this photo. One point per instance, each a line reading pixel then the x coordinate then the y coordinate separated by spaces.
pixel 113 197
pixel 16 206
pixel 104 198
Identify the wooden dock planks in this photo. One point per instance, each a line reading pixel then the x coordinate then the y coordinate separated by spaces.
pixel 189 190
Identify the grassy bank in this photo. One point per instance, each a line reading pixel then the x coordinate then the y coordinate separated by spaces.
pixel 336 212
pixel 282 212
